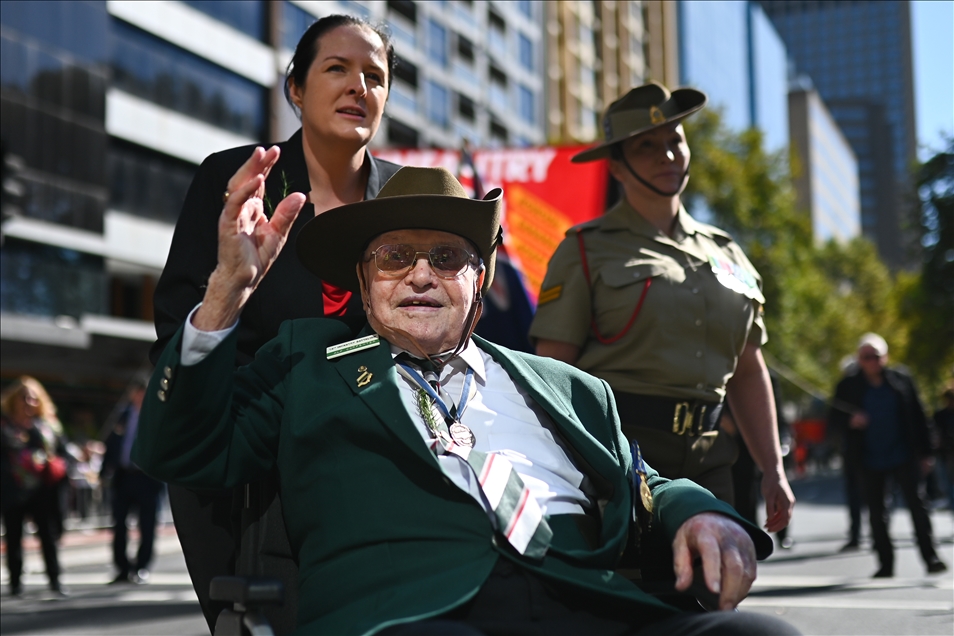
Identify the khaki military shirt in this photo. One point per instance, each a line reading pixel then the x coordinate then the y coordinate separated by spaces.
pixel 703 305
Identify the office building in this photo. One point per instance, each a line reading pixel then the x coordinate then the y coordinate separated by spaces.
pixel 595 53
pixel 109 106
pixel 662 41
pixel 825 170
pixel 731 51
pixel 859 57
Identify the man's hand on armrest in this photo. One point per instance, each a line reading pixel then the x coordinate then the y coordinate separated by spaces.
pixel 727 553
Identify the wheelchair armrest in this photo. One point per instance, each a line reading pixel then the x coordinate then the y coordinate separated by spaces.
pixel 247 591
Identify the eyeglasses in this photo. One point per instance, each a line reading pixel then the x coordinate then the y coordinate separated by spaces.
pixel 446 260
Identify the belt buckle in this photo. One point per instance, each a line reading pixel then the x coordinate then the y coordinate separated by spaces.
pixel 682 418
pixel 684 421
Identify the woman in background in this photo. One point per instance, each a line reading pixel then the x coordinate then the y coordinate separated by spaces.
pixel 338 81
pixel 31 468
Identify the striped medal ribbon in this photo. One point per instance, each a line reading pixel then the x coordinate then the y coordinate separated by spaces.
pixel 519 516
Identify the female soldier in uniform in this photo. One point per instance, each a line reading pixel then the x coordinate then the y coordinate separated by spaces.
pixel 664 308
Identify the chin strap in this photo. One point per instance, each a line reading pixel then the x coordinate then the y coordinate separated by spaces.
pixel 661 193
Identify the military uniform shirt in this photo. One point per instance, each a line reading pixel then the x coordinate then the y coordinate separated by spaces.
pixel 703 305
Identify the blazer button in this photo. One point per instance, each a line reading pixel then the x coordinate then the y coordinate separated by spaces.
pixel 493 541
pixel 161 395
pixel 164 383
pixel 167 372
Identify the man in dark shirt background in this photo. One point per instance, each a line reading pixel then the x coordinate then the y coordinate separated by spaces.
pixel 888 429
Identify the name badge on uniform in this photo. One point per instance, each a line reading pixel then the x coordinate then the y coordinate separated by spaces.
pixel 351 346
pixel 735 277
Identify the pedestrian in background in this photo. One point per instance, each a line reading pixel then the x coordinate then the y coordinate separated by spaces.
pixel 338 82
pixel 665 309
pixel 888 431
pixel 132 489
pixel 32 465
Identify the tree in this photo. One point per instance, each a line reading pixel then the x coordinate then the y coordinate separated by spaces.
pixel 819 298
pixel 927 300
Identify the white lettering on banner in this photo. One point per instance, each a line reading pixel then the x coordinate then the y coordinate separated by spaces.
pixel 494 166
pixel 520 166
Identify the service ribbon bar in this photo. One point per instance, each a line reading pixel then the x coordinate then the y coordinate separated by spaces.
pixel 351 346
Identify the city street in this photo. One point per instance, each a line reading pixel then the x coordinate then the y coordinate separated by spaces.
pixel 812 585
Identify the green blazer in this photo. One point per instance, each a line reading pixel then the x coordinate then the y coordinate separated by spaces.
pixel 382 536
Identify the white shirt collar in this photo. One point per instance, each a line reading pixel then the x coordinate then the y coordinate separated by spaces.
pixel 469 357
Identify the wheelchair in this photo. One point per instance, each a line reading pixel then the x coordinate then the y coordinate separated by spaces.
pixel 264 596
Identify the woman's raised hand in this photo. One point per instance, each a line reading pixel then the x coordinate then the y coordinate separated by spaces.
pixel 249 242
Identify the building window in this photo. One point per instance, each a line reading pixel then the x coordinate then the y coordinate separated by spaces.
pixel 498 132
pixel 465 49
pixel 498 89
pixel 466 108
pixel 406 8
pixel 525 51
pixel 525 104
pixel 295 21
pixel 81 28
pixel 497 35
pixel 525 7
pixel 437 104
pixel 145 183
pixel 401 135
pixel 166 75
pixel 42 280
pixel 437 43
pixel 247 16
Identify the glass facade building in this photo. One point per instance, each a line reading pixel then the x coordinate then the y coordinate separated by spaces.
pixel 104 112
pixel 731 51
pixel 826 178
pixel 108 107
pixel 858 55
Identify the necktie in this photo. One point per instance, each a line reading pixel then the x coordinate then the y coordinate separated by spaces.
pixel 519 516
pixel 129 436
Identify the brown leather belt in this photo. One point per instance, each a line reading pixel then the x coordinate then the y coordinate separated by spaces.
pixel 682 417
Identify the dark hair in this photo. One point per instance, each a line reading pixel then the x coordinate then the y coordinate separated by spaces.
pixel 307 49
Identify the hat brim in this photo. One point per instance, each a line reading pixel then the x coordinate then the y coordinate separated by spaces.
pixel 687 102
pixel 331 244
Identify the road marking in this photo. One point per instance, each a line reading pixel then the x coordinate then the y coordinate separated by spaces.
pixel 860 604
pixel 855 583
pixel 102 578
pixel 155 597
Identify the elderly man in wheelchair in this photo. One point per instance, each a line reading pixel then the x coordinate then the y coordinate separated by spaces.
pixel 432 482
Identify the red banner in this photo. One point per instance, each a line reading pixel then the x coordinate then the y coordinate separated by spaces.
pixel 544 195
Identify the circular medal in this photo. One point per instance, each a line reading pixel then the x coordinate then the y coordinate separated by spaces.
pixel 462 435
pixel 646 495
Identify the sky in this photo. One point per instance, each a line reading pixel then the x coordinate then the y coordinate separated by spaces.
pixel 933 26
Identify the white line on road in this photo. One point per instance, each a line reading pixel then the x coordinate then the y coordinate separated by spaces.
pixel 860 604
pixel 855 583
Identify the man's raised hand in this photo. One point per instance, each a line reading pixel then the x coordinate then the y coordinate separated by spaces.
pixel 249 242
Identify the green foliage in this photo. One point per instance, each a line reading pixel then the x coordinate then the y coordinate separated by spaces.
pixel 819 298
pixel 927 300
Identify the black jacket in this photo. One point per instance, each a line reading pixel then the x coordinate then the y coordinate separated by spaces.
pixel 288 291
pixel 850 394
